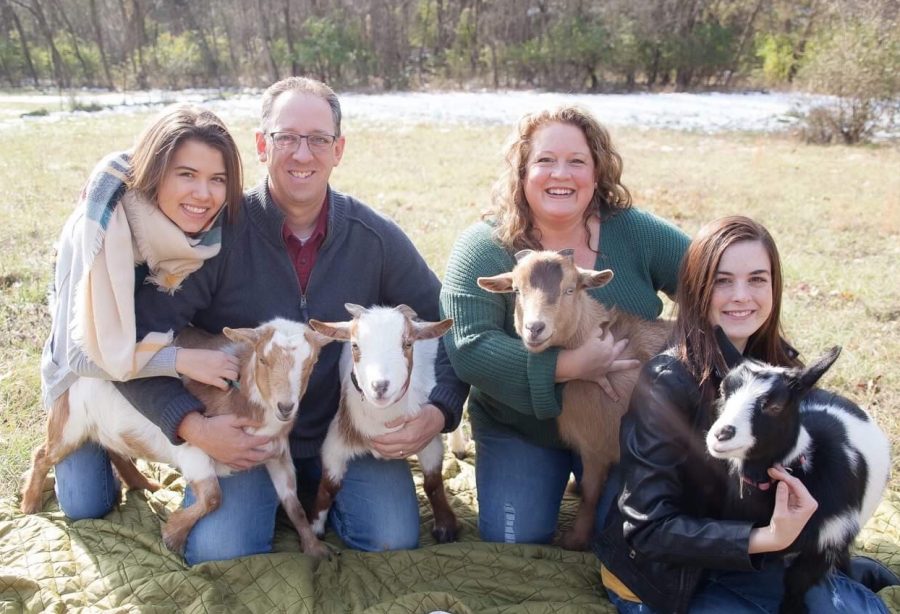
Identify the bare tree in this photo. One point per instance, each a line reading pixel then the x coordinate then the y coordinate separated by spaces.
pixel 9 13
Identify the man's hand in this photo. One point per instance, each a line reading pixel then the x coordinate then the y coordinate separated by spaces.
pixel 412 435
pixel 224 439
pixel 210 367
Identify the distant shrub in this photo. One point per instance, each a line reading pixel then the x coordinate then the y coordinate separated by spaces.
pixel 42 112
pixel 820 126
pixel 777 54
pixel 859 63
pixel 86 107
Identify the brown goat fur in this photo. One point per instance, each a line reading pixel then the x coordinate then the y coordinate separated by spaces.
pixel 553 309
pixel 275 367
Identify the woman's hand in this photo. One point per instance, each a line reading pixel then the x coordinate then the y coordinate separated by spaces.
pixel 225 440
pixel 596 358
pixel 210 367
pixel 412 434
pixel 794 506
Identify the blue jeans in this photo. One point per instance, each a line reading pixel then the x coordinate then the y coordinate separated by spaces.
pixel 521 485
pixel 86 486
pixel 754 592
pixel 376 509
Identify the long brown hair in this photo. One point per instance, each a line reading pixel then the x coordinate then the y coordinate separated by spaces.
pixel 510 211
pixel 159 141
pixel 694 337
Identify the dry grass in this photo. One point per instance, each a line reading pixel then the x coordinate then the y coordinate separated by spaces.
pixel 834 211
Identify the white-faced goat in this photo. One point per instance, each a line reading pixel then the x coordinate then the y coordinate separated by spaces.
pixel 769 415
pixel 276 360
pixel 553 309
pixel 387 372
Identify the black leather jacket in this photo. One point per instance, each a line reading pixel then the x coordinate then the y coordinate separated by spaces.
pixel 667 528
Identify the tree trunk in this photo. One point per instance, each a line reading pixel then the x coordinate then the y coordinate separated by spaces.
pixel 98 37
pixel 60 73
pixel 267 41
pixel 745 36
pixel 85 67
pixel 289 38
pixel 26 52
pixel 209 55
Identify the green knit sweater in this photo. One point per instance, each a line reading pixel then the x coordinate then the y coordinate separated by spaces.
pixel 513 389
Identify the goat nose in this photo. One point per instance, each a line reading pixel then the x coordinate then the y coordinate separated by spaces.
pixel 535 328
pixel 725 433
pixel 380 386
pixel 285 408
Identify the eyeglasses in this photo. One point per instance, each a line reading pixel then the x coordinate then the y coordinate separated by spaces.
pixel 290 141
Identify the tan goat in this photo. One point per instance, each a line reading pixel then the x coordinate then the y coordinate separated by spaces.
pixel 276 360
pixel 553 309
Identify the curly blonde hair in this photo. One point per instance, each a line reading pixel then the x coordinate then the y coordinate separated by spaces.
pixel 510 212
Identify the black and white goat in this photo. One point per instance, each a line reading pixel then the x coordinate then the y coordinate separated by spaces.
pixel 769 415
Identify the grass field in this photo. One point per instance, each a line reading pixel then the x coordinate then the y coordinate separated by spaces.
pixel 835 213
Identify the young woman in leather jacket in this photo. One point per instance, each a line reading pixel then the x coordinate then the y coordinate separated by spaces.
pixel 666 547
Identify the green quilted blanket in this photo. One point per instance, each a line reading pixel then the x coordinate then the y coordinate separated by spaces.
pixel 48 564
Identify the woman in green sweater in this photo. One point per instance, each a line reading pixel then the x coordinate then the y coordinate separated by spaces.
pixel 560 189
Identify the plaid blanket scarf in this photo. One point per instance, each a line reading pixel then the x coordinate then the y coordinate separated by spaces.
pixel 121 229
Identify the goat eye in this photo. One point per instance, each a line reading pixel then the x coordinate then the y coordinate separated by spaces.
pixel 570 290
pixel 263 361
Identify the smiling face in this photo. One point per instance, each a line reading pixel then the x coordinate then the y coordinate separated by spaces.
pixel 742 293
pixel 560 177
pixel 194 186
pixel 298 180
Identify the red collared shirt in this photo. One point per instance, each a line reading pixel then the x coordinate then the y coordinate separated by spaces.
pixel 303 255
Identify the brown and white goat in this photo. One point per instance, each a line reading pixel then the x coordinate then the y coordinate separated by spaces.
pixel 553 309
pixel 276 360
pixel 387 371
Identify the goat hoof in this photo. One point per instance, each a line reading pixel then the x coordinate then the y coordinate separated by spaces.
pixel 31 507
pixel 445 535
pixel 174 540
pixel 153 485
pixel 571 541
pixel 317 550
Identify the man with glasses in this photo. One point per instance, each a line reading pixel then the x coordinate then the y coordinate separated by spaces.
pixel 299 250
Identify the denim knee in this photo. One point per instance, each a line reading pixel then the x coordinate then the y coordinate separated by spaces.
pixel 520 486
pixel 377 508
pixel 86 487
pixel 839 594
pixel 244 523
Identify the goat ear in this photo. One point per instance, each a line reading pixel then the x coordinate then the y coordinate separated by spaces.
pixel 432 330
pixel 242 335
pixel 333 330
pixel 314 337
pixel 522 254
pixel 499 284
pixel 407 311
pixel 730 353
pixel 569 253
pixel 355 310
pixel 811 374
pixel 594 279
